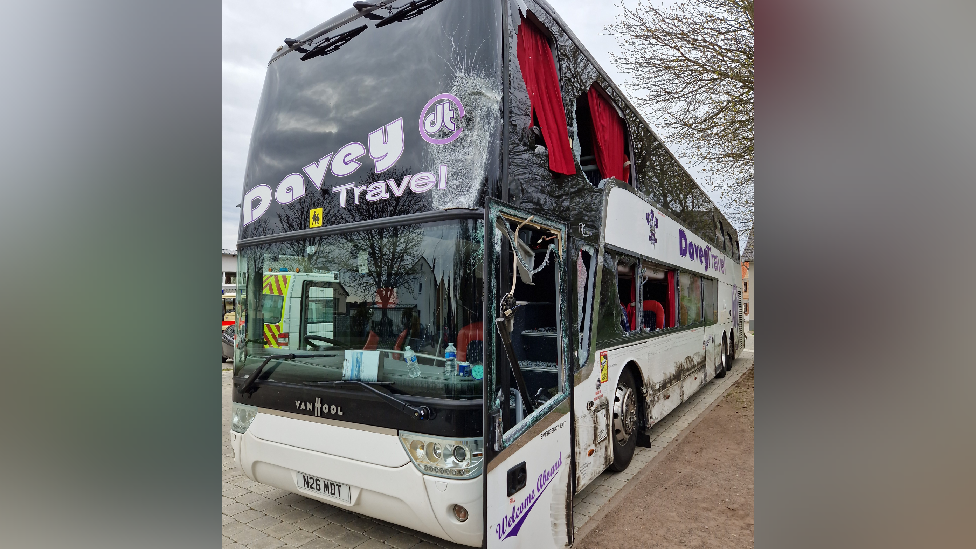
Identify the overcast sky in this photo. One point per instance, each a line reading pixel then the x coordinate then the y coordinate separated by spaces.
pixel 252 30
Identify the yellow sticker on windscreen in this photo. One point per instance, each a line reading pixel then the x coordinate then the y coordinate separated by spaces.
pixel 314 218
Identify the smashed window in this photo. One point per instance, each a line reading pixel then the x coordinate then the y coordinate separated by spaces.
pixel 532 327
pixel 585 273
pixel 542 83
pixel 627 294
pixel 609 136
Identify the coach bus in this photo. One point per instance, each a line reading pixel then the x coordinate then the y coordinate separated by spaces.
pixel 495 276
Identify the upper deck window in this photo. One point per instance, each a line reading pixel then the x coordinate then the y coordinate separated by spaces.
pixel 542 83
pixel 609 146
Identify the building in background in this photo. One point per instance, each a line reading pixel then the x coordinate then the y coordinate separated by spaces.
pixel 228 271
pixel 749 280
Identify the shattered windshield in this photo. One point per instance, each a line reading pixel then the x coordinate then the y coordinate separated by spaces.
pixel 407 109
pixel 399 304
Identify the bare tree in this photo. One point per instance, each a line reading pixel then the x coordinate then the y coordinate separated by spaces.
pixel 694 64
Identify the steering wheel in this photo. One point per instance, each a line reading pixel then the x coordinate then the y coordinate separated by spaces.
pixel 310 338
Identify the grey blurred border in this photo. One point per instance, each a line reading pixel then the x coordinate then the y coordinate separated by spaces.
pixel 865 187
pixel 109 240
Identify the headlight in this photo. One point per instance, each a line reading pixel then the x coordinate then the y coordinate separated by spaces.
pixel 444 457
pixel 241 416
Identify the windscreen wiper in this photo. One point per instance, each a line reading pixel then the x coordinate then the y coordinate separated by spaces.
pixel 254 376
pixel 411 10
pixel 330 45
pixel 362 6
pixel 421 412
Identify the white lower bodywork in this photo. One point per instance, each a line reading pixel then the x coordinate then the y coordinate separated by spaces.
pixel 384 483
pixel 657 363
pixel 536 515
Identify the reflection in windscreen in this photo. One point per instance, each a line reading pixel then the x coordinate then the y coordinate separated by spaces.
pixel 379 291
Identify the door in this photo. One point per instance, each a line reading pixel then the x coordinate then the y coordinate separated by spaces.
pixel 528 479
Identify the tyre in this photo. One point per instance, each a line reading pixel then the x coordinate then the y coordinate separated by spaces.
pixel 727 348
pixel 723 367
pixel 625 422
pixel 731 358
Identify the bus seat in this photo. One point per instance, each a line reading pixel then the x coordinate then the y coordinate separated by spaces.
pixel 651 305
pixel 399 344
pixel 472 332
pixel 631 315
pixel 400 340
pixel 372 342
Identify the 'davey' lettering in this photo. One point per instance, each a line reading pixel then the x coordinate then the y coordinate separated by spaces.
pixel 384 145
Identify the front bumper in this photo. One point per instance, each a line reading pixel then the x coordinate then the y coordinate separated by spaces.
pixel 394 491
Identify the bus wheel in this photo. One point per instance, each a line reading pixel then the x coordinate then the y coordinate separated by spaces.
pixel 726 355
pixel 723 368
pixel 625 424
pixel 731 350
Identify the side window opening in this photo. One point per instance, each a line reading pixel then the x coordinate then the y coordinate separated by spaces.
pixel 627 295
pixel 607 135
pixel 537 64
pixel 584 133
pixel 609 325
pixel 656 296
pixel 535 324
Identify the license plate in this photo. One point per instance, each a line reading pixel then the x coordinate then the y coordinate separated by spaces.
pixel 325 488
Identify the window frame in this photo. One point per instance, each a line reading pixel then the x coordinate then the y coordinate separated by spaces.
pixel 631 337
pixel 634 264
pixel 644 264
pixel 701 300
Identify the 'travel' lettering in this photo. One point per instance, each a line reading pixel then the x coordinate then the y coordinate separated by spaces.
pixel 703 256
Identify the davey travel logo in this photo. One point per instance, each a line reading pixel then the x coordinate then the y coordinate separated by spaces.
pixel 441 119
pixel 510 524
pixel 652 223
pixel 440 124
pixel 703 255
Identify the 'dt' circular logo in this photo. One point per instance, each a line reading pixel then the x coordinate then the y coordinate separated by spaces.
pixel 441 115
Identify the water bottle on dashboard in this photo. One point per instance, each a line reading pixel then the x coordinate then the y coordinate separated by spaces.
pixel 450 361
pixel 413 368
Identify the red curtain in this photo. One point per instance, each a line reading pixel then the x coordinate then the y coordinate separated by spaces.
pixel 539 71
pixel 670 302
pixel 608 137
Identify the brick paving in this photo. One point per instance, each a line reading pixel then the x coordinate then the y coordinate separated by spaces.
pixel 257 516
pixel 596 494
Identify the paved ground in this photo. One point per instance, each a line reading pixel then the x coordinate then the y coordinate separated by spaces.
pixel 596 494
pixel 699 492
pixel 260 517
